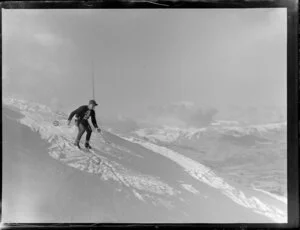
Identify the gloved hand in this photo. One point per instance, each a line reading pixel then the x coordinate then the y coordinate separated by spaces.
pixel 98 130
pixel 69 123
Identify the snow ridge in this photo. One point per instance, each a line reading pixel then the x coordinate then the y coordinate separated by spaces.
pixel 38 118
pixel 207 176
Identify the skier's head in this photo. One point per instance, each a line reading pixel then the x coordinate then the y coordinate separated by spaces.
pixel 92 104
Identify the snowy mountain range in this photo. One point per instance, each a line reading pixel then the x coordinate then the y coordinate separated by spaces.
pixel 132 177
pixel 173 134
pixel 250 154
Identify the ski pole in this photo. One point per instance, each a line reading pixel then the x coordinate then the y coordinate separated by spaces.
pixel 102 134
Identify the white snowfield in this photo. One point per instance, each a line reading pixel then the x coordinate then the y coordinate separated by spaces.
pixel 61 139
pixel 205 175
pixel 145 187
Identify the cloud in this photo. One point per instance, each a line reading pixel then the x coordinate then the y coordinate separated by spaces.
pixel 180 107
pixel 30 26
pixel 5 74
pixel 183 104
pixel 5 77
pixel 183 113
pixel 255 114
pixel 203 117
pixel 168 121
pixel 48 39
pixel 56 104
pixel 121 123
pixel 35 58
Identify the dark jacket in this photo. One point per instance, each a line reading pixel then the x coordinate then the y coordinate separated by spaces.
pixel 83 113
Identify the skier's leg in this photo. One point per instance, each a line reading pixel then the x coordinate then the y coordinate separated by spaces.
pixel 81 130
pixel 88 134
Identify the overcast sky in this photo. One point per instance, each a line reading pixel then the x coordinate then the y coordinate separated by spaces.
pixel 216 58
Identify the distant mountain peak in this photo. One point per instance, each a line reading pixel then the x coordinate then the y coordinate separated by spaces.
pixel 171 134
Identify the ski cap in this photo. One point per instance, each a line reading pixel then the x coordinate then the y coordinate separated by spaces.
pixel 93 102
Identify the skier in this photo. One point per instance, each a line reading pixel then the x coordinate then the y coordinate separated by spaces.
pixel 82 115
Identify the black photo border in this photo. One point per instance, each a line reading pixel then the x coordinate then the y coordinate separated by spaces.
pixel 293 123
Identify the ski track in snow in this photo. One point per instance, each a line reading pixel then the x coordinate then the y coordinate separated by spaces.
pixel 207 176
pixel 281 198
pixel 61 139
pixel 190 188
pixel 62 149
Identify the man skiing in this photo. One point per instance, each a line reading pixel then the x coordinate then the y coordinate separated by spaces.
pixel 82 115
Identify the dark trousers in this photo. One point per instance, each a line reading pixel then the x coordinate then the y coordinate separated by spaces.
pixel 84 126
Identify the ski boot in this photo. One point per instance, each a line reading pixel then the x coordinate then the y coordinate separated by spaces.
pixel 77 144
pixel 87 145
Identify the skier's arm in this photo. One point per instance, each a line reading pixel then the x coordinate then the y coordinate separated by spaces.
pixel 94 120
pixel 76 111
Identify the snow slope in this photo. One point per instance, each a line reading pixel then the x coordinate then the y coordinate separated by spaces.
pixel 149 175
pixel 252 154
pixel 205 175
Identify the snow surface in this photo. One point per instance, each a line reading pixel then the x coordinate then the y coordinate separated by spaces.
pixel 207 176
pixel 281 198
pixel 61 139
pixel 190 188
pixel 39 118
